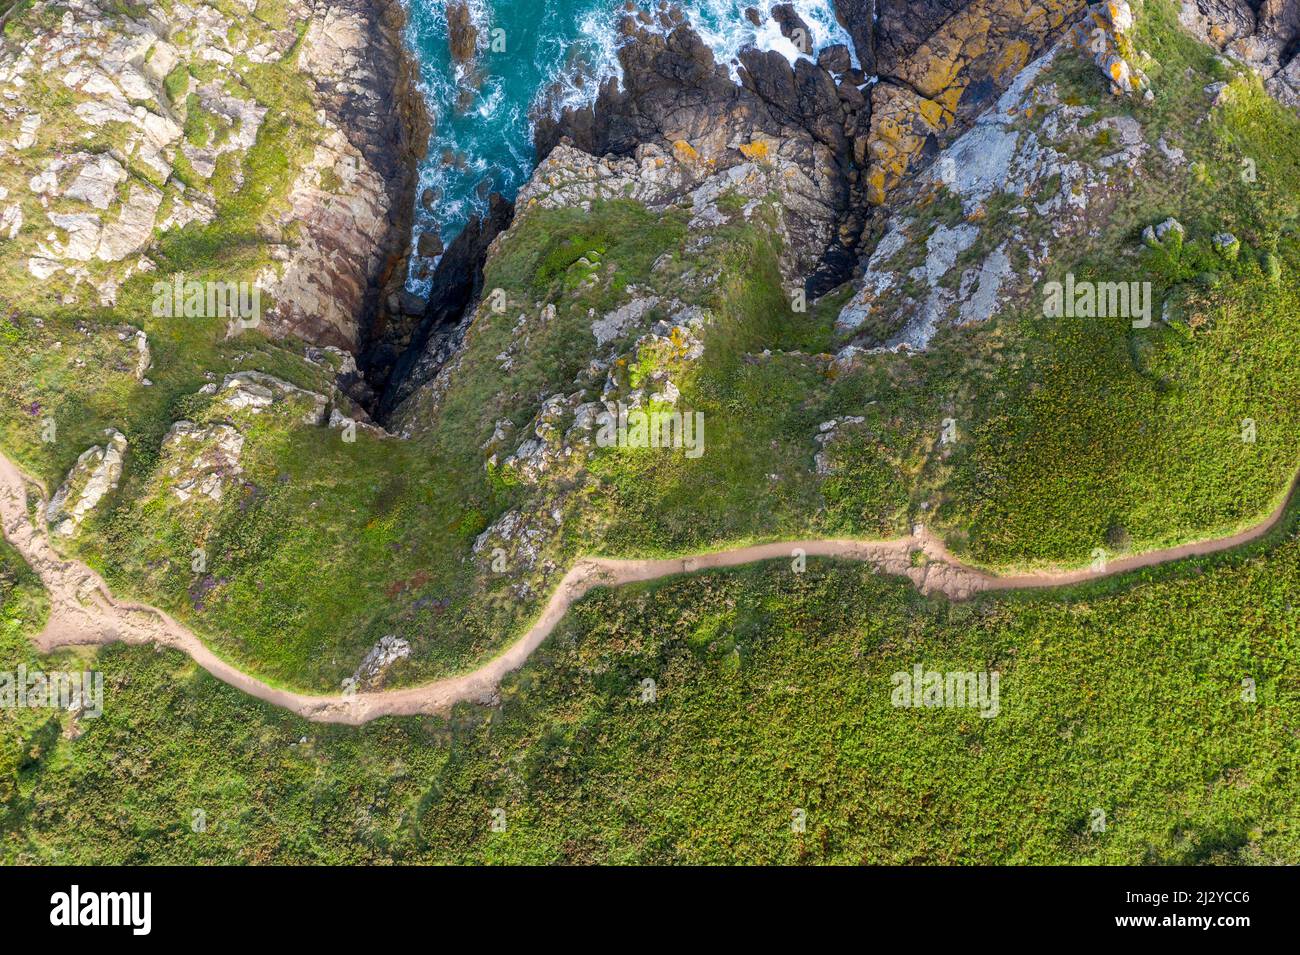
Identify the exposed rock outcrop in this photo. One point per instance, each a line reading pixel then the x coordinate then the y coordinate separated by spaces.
pixel 675 97
pixel 941 64
pixel 95 475
pixel 903 26
pixel 253 391
pixel 201 460
pixel 378 659
pixel 1106 34
pixel 462 34
pixel 354 198
pixel 923 275
pixel 1264 34
pixel 174 106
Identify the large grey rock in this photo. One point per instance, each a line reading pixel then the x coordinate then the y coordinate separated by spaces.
pixel 254 391
pixel 97 182
pixel 95 474
pixel 134 227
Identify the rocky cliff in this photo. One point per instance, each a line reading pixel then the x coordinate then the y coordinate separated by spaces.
pixel 837 140
pixel 938 65
pixel 279 139
pixel 1264 34
pixel 805 118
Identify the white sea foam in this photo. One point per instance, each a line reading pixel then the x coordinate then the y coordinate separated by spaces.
pixel 722 24
pixel 490 101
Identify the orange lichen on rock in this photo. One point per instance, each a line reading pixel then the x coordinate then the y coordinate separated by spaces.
pixel 901 122
pixel 987 40
pixel 1106 36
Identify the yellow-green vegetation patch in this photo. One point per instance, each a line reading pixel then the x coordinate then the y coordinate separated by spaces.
pixel 1137 725
pixel 61 385
pixel 29 735
pixel 1093 434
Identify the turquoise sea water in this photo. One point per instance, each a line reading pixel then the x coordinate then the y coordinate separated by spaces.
pixel 482 138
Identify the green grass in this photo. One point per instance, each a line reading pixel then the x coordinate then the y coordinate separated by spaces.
pixel 1075 434
pixel 773 694
pixel 28 735
pixel 1093 434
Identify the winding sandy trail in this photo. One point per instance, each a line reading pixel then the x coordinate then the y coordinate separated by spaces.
pixel 83 611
